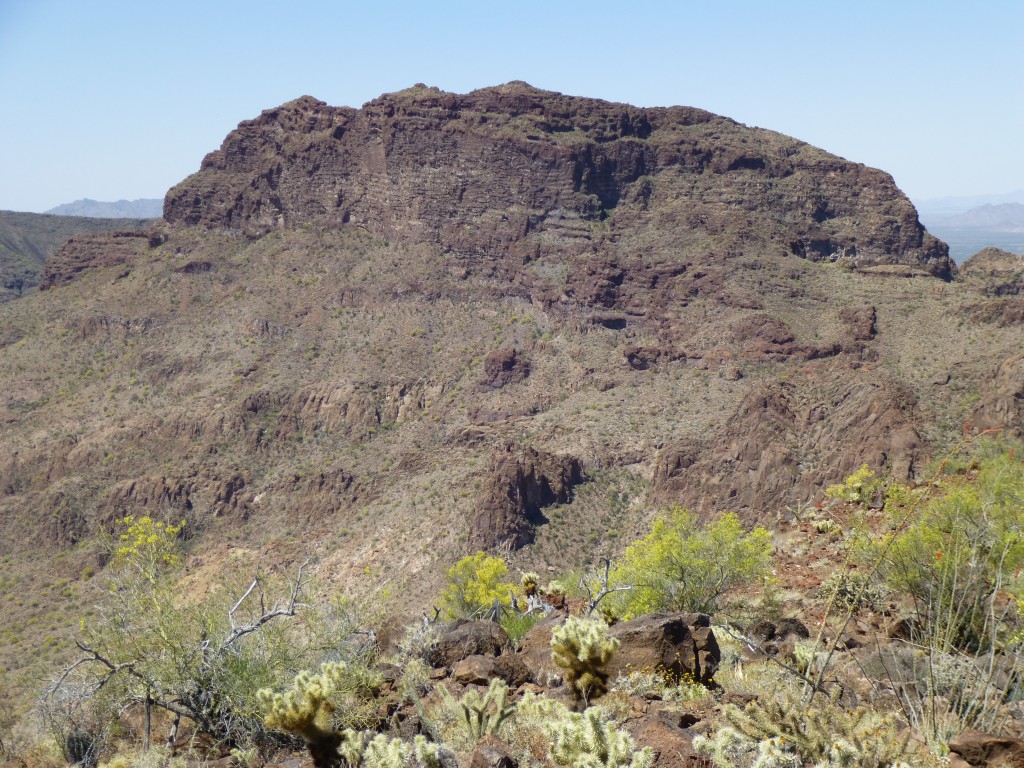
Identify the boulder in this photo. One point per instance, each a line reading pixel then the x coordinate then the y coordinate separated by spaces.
pixel 535 650
pixel 491 752
pixel 673 746
pixel 982 749
pixel 475 670
pixel 679 644
pixel 469 638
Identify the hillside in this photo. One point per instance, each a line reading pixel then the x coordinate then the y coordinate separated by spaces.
pixel 28 239
pixel 121 209
pixel 509 318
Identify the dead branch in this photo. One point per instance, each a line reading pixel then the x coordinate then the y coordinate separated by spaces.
pixel 605 589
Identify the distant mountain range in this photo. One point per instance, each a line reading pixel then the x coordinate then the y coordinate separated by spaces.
pixel 936 208
pixel 122 209
pixel 1006 217
pixel 969 224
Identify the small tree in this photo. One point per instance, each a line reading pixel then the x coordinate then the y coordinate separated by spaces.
pixel 961 550
pixel 203 661
pixel 475 583
pixel 684 566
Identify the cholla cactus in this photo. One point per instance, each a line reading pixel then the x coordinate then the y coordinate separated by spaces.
pixel 586 741
pixel 779 734
pixel 353 743
pixel 582 648
pixel 307 711
pixel 728 748
pixel 529 582
pixel 484 714
pixel 385 753
pixel 382 752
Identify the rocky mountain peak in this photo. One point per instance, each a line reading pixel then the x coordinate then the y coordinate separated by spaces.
pixel 513 171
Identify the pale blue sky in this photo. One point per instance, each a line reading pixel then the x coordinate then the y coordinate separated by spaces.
pixel 114 99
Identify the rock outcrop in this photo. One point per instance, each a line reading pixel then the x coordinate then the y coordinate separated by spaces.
pixel 519 486
pixel 500 175
pixel 90 251
pixel 786 441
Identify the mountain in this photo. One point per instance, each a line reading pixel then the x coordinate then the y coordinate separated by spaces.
pixel 1005 217
pixel 28 239
pixel 136 209
pixel 935 208
pixel 986 226
pixel 509 318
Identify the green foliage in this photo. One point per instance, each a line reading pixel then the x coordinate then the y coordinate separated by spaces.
pixel 586 741
pixel 858 488
pixel 485 713
pixel 518 624
pixel 206 659
pixel 684 566
pixel 474 584
pixel 778 731
pixel 582 647
pixel 964 546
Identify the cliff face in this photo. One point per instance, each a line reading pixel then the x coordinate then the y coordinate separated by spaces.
pixel 507 173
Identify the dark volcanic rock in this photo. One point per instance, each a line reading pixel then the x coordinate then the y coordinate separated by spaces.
pixel 470 638
pixel 680 644
pixel 519 486
pixel 982 749
pixel 505 366
pixel 491 752
pixel 535 650
pixel 502 174
pixel 93 251
pixel 1002 402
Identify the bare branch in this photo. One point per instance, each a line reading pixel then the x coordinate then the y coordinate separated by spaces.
pixel 266 616
pixel 235 607
pixel 605 590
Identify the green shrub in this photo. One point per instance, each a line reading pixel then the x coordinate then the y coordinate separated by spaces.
pixel 960 549
pixel 685 566
pixel 518 624
pixel 475 583
pixel 582 648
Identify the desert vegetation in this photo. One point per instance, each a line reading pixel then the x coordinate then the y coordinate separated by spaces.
pixel 618 453
pixel 265 663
